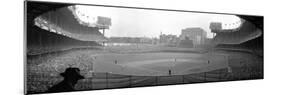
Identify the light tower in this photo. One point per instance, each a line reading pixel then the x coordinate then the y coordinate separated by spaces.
pixel 103 23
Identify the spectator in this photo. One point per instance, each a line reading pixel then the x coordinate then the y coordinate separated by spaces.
pixel 71 77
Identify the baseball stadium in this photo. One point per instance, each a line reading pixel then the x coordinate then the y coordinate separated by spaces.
pixel 57 38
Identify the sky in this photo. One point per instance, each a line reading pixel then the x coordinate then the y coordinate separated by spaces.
pixel 128 22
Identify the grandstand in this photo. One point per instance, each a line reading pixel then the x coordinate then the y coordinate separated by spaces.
pixel 248 37
pixel 244 33
pixel 57 29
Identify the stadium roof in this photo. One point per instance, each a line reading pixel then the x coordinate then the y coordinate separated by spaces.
pixel 35 8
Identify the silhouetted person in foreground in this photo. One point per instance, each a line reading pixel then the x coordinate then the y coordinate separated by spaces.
pixel 71 77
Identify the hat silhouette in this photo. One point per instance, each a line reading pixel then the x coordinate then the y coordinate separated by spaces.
pixel 72 73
